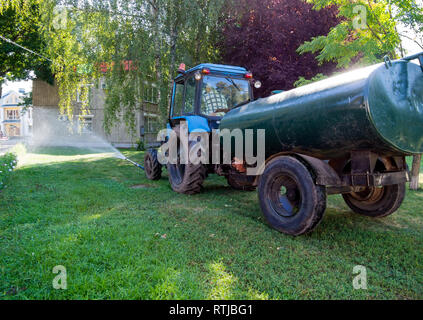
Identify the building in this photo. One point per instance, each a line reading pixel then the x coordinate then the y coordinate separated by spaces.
pixel 15 120
pixel 46 109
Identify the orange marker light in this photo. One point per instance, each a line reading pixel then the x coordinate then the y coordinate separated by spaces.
pixel 181 68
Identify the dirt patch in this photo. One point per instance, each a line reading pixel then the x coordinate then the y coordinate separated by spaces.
pixel 140 186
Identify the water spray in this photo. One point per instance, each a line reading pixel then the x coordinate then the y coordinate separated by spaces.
pixel 120 155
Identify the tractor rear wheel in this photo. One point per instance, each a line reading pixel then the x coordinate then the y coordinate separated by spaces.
pixel 290 200
pixel 376 202
pixel 186 178
pixel 153 168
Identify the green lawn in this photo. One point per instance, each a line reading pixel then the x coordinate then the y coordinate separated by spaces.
pixel 79 210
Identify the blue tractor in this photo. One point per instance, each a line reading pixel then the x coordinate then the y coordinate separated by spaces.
pixel 201 97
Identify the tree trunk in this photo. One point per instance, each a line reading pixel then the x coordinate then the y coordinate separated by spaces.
pixel 157 48
pixel 172 69
pixel 414 184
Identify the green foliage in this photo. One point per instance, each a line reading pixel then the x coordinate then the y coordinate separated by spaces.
pixel 7 165
pixel 70 37
pixel 410 14
pixel 140 145
pixel 170 32
pixel 368 32
pixel 303 81
pixel 20 22
pixel 152 35
pixel 27 101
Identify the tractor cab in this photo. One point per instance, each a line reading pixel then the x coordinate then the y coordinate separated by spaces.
pixel 204 94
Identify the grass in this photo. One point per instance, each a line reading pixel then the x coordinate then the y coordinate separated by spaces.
pixel 7 164
pixel 80 210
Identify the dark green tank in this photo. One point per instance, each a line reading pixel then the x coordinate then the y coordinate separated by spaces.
pixel 378 108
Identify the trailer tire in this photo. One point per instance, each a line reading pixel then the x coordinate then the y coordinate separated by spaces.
pixel 153 168
pixel 187 178
pixel 376 202
pixel 235 184
pixel 290 200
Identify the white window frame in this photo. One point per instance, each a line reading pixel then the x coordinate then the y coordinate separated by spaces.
pixel 147 123
pixel 150 93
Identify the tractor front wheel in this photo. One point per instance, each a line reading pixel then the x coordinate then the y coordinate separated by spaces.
pixel 186 178
pixel 153 168
pixel 290 200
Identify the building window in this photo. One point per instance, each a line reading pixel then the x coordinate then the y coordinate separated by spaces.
pixel 63 118
pixel 86 123
pixel 151 123
pixel 151 93
pixel 12 115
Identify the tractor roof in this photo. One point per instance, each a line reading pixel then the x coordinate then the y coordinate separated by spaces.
pixel 221 69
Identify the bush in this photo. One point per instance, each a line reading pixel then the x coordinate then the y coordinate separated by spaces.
pixel 8 163
pixel 140 145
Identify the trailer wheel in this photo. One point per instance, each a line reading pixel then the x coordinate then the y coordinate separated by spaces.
pixel 237 185
pixel 186 178
pixel 153 168
pixel 290 200
pixel 376 202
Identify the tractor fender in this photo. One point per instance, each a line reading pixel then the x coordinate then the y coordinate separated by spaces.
pixel 195 123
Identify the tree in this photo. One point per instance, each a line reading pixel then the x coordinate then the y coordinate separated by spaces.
pixel 19 22
pixel 415 172
pixel 368 31
pixel 150 35
pixel 26 102
pixel 263 36
pixel 409 14
pixel 166 32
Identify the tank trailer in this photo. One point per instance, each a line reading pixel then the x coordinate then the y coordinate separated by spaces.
pixel 348 134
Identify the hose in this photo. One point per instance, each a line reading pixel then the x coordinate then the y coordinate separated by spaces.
pixel 135 164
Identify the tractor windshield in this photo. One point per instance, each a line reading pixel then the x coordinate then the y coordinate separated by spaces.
pixel 221 94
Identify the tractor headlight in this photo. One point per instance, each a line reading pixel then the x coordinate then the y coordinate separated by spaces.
pixel 197 76
pixel 257 84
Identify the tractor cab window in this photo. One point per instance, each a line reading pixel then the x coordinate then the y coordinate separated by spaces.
pixel 184 100
pixel 178 102
pixel 221 94
pixel 189 95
